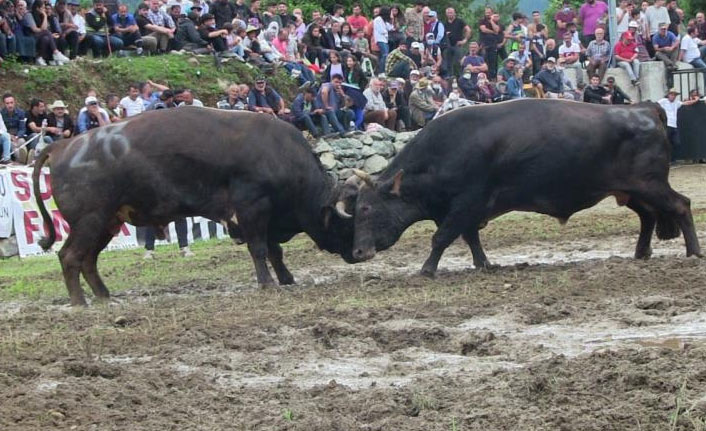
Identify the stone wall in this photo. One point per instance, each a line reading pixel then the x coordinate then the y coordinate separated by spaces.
pixel 370 151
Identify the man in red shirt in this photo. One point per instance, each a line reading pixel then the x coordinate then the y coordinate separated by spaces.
pixel 626 56
pixel 357 20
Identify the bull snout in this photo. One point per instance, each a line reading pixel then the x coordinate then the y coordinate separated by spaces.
pixel 363 254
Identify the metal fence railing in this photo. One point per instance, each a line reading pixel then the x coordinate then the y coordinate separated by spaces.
pixel 686 80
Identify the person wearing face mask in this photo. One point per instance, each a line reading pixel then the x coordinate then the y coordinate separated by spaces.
pixel 411 83
pixel 467 83
pixel 563 17
pixel 438 89
pixel 486 90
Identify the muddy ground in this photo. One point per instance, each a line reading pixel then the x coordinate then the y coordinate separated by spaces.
pixel 570 333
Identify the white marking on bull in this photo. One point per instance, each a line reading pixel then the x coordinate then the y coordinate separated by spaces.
pixel 114 144
pixel 77 161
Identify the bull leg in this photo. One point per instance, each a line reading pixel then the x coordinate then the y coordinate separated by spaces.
pixel 275 255
pixel 447 233
pixel 677 206
pixel 472 238
pixel 89 268
pixel 70 259
pixel 254 221
pixel 643 250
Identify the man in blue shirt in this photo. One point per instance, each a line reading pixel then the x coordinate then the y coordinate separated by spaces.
pixel 666 45
pixel 305 113
pixel 15 121
pixel 125 27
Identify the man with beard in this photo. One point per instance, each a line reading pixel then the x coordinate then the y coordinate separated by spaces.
pixel 399 64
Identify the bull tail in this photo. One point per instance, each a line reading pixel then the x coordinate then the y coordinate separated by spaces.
pixel 667 227
pixel 45 242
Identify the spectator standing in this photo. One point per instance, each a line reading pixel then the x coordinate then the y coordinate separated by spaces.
pixel 223 11
pixel 126 28
pixel 569 54
pixel 595 93
pixel 473 62
pixel 381 29
pixel 5 144
pixel 625 52
pixel 457 35
pixel 622 16
pixel 376 109
pixel 671 106
pixel 598 55
pixel 132 104
pixel 675 19
pixel 492 36
pixel 666 46
pixel 655 15
pixel 590 13
pixel 283 12
pixel 415 21
pixel 563 17
pixel 59 123
pixel 98 25
pixel 516 33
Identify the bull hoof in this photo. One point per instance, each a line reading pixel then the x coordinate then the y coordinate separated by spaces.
pixel 644 255
pixel 427 273
pixel 286 281
pixel 696 254
pixel 268 285
pixel 485 266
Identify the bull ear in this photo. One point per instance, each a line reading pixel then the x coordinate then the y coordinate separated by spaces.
pixel 397 183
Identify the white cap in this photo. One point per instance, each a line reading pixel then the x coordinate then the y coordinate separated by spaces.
pixel 633 24
pixel 90 99
pixel 417 45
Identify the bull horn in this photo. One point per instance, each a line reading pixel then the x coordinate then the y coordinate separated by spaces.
pixel 341 210
pixel 367 179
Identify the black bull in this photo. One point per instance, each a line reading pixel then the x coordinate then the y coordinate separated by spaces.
pixel 547 156
pixel 252 172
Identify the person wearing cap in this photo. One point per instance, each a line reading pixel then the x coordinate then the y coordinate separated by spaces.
pixel 92 117
pixel 617 95
pixel 671 106
pixel 376 109
pixel 395 100
pixel 551 81
pixel 411 83
pixel 563 17
pixel 457 35
pixel 569 57
pixel 434 26
pixel 625 52
pixel 666 46
pixel 214 36
pixel 415 52
pixel 422 106
pixel 432 58
pixel 98 27
pixel 399 64
pixel 590 14
pixel 264 99
pixel 598 55
pixel 199 6
pixel 59 123
pixel 125 27
pixel 473 63
pixel 508 70
pixel 492 38
pixel 161 25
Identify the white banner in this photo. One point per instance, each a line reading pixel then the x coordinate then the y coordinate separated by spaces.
pixel 6 203
pixel 29 226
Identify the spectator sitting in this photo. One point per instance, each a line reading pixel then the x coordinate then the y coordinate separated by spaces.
pixel 233 101
pixel 186 98
pixel 265 99
pixel 147 95
pixel 59 123
pixel 125 27
pixel 474 63
pixel 411 83
pixel 422 106
pixel 315 50
pixel 395 100
pixel 361 49
pixel 5 144
pixel 8 22
pixel 689 50
pixel 132 104
pixel 467 85
pixel 569 54
pixel 92 116
pixel 551 81
pixel 666 45
pixel 112 107
pixel 188 38
pixel 15 121
pixel 70 36
pixel 626 55
pixel 598 55
pixel 36 124
pixel 332 99
pixel 595 93
pixel 165 101
pixel 215 37
pixel 305 114
pixel 376 109
pixel 80 22
pixel 508 69
pixel 438 88
pixel 355 76
pixel 454 101
pixel 234 41
pixel 399 63
pixel 37 23
pixel 149 41
pixel 98 23
pixel 432 57
pixel 617 95
pixel 515 84
pixel 223 11
pixel 538 46
pixel 161 25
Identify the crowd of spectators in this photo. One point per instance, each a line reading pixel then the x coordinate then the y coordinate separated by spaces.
pixel 397 67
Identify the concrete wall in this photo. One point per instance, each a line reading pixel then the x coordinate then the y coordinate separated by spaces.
pixel 653 81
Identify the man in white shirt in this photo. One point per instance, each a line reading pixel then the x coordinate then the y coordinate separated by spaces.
pixel 689 49
pixel 671 105
pixel 132 104
pixel 4 143
pixel 79 21
pixel 569 57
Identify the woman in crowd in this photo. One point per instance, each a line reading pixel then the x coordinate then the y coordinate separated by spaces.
pixel 399 25
pixel 335 67
pixel 36 23
pixel 347 36
pixel 314 46
pixel 381 29
pixel 486 89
